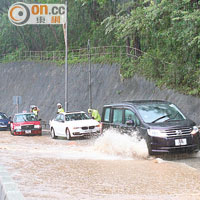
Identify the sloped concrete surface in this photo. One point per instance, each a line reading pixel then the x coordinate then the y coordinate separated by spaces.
pixel 42 84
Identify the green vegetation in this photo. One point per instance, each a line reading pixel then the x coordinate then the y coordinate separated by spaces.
pixel 167 31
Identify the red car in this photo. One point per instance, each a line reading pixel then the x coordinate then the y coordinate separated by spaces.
pixel 25 124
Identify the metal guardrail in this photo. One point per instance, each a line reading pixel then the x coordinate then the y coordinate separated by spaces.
pixel 111 51
pixel 45 124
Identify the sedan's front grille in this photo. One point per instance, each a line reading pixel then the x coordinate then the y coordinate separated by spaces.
pixel 174 132
pixel 28 127
pixel 88 127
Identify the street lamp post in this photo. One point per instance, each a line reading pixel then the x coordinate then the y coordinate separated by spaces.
pixel 90 84
pixel 66 64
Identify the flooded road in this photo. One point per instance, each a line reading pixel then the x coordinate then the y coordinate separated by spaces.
pixel 99 168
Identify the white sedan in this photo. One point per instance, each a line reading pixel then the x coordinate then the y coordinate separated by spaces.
pixel 74 124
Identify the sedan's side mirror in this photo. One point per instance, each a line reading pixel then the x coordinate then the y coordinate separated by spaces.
pixel 130 123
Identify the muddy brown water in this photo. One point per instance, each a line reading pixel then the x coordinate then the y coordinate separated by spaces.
pixel 97 168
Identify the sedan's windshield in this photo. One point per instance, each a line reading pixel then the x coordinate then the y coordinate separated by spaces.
pixel 76 116
pixel 159 112
pixel 25 118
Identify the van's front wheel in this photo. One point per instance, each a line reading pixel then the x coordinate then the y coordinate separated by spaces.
pixel 149 147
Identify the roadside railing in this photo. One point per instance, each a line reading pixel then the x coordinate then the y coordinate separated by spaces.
pixel 45 124
pixel 110 51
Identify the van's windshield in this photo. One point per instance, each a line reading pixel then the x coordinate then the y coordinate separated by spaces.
pixel 159 112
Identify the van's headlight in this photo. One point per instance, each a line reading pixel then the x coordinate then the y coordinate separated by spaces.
pixel 195 130
pixel 156 133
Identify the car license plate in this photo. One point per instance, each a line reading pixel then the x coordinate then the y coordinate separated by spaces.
pixel 28 131
pixel 180 142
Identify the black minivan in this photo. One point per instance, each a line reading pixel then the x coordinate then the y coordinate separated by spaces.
pixel 160 123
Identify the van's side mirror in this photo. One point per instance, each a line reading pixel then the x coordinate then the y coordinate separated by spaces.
pixel 130 123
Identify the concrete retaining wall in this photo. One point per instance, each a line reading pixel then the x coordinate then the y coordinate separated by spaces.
pixel 8 189
pixel 42 84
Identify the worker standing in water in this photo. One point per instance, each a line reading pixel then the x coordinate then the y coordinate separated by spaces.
pixel 95 114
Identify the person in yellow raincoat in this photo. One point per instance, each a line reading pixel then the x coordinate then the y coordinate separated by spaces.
pixel 95 114
pixel 60 108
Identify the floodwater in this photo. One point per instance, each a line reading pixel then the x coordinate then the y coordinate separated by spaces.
pixel 111 167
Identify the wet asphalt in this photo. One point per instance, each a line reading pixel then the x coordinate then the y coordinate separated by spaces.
pixel 96 168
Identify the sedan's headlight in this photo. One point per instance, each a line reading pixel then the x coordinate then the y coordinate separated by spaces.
pixel 195 130
pixel 18 127
pixel 99 125
pixel 37 126
pixel 156 133
pixel 76 127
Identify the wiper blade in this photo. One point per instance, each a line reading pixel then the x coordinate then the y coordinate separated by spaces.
pixel 160 118
pixel 173 118
pixel 170 120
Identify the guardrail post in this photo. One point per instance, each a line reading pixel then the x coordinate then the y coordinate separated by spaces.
pixel 72 53
pixel 53 56
pixel 112 51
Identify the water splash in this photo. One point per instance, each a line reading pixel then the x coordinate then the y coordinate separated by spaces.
pixel 114 143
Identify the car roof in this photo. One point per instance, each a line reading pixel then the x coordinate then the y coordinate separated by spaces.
pixel 136 102
pixel 74 112
pixel 2 113
pixel 23 113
